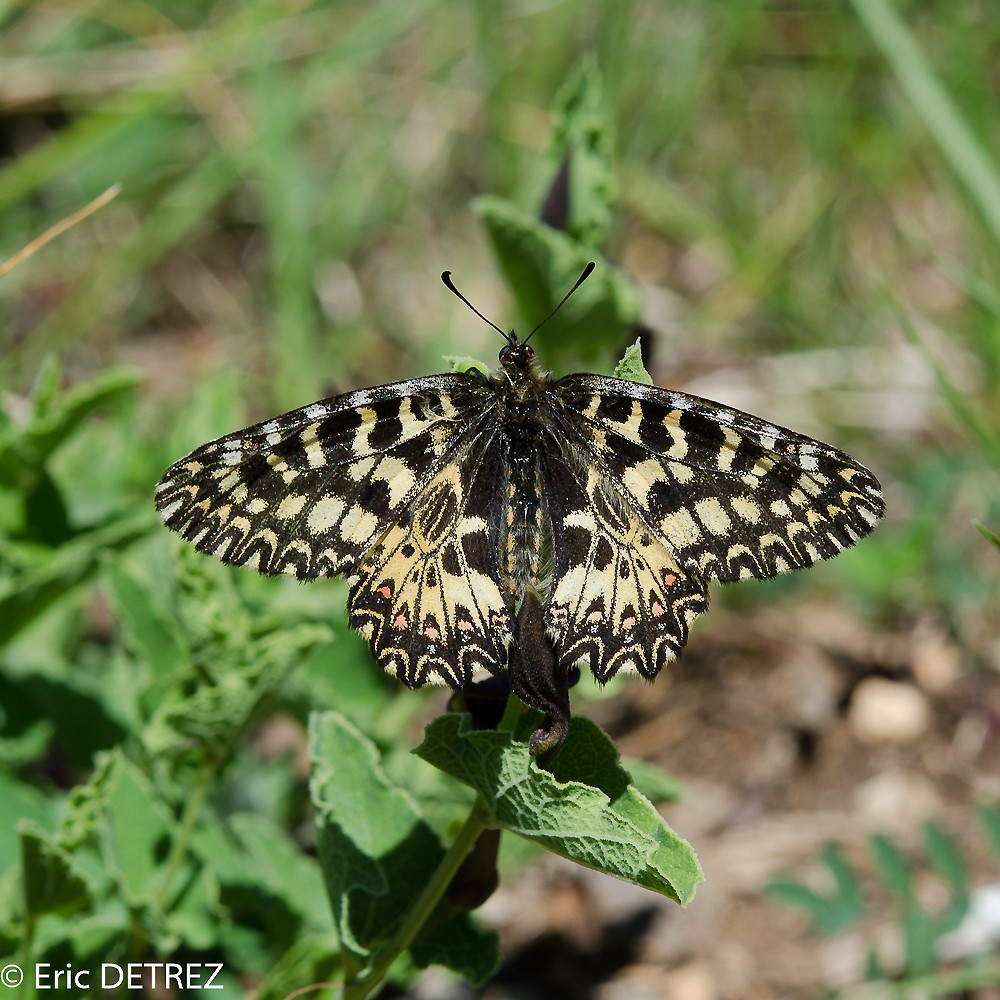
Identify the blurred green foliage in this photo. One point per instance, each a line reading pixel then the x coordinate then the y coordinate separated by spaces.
pixel 923 928
pixel 805 198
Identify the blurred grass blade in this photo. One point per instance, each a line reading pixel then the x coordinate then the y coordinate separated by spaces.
pixel 959 146
pixel 986 533
pixel 58 229
pixel 981 431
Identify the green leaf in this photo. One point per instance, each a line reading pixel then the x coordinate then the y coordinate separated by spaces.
pixel 540 265
pixel 581 147
pixel 377 854
pixel 136 832
pixel 280 867
pixel 24 596
pixel 244 674
pixel 919 935
pixel 653 782
pixel 946 859
pixel 85 804
pixel 465 362
pixel 55 418
pixel 892 867
pixel 148 631
pixel 20 801
pixel 631 367
pixel 585 810
pixel 25 746
pixel 989 818
pixel 193 915
pixel 52 881
pixel 799 896
pixel 827 912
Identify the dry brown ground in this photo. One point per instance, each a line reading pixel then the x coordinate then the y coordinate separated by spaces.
pixel 791 728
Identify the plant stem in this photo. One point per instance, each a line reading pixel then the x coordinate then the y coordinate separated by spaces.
pixel 511 714
pixel 179 847
pixel 936 984
pixel 423 907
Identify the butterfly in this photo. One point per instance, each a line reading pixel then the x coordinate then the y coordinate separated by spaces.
pixel 519 524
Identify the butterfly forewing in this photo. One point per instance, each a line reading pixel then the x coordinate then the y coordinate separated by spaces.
pixel 309 492
pixel 731 496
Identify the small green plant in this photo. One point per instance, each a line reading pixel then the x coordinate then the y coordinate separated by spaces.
pixel 921 928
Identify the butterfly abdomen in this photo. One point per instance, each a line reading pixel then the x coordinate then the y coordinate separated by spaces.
pixel 521 430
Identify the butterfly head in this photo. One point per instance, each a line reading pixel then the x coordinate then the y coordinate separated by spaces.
pixel 517 359
pixel 515 355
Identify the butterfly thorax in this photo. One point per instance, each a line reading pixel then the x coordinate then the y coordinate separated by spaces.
pixel 520 385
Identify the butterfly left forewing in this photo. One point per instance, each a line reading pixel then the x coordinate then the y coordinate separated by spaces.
pixel 307 493
pixel 731 495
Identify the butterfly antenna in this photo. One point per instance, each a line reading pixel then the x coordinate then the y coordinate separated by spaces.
pixel 450 285
pixel 579 281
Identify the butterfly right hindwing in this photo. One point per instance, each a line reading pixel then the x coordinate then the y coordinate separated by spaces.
pixel 619 599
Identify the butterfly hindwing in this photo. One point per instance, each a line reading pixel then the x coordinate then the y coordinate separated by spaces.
pixel 731 496
pixel 428 596
pixel 619 599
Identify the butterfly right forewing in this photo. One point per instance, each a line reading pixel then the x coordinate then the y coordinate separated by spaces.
pixel 730 495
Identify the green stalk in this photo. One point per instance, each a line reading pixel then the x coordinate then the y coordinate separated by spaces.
pixel 424 906
pixel 936 984
pixel 511 714
pixel 437 885
pixel 179 847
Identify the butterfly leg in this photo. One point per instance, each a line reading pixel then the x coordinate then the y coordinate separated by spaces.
pixel 539 679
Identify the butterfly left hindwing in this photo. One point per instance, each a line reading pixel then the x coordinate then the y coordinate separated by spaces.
pixel 428 595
